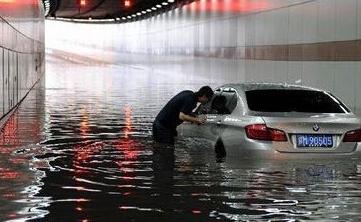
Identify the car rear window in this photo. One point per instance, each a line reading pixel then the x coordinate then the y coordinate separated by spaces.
pixel 285 100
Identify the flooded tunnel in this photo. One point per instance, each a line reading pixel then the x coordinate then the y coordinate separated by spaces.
pixel 82 83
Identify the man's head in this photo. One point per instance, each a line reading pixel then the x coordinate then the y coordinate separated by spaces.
pixel 204 94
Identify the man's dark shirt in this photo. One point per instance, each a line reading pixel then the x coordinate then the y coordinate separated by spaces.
pixel 183 102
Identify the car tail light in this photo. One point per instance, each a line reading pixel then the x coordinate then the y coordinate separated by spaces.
pixel 262 132
pixel 353 136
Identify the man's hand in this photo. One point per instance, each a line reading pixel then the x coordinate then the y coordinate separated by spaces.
pixel 201 120
pixel 198 120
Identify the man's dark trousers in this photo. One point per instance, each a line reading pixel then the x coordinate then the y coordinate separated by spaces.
pixel 161 134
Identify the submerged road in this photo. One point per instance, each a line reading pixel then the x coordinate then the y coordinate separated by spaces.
pixel 79 148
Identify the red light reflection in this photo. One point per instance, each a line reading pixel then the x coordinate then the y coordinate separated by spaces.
pixel 19 130
pixel 19 8
pixel 12 215
pixel 84 124
pixel 128 147
pixel 128 121
pixel 17 4
pixel 9 196
pixel 7 174
pixel 84 150
pixel 82 153
pixel 9 135
pixel 79 209
pixel 196 211
pixel 24 2
pixel 126 144
pixel 227 6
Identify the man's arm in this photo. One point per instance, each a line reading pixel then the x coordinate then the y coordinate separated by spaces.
pixel 191 119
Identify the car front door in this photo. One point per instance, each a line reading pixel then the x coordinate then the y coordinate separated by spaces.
pixel 214 127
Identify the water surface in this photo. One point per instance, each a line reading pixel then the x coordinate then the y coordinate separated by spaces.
pixel 80 149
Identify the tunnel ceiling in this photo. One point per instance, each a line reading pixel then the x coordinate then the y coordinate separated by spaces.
pixel 108 10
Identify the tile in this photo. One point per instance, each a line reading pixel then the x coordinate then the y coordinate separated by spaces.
pixel 241 31
pixel 295 70
pixel 357 87
pixel 249 70
pixel 319 75
pixel 310 22
pixel 280 71
pixel 326 20
pixel 261 28
pixel 358 19
pixel 250 31
pixel 295 25
pixel 346 25
pixel 345 81
pixel 280 27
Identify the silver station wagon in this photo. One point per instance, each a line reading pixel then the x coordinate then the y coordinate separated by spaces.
pixel 275 120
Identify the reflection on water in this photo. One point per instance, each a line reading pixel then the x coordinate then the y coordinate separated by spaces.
pixel 19 179
pixel 83 152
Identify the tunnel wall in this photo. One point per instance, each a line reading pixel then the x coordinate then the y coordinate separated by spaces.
pixel 22 51
pixel 313 43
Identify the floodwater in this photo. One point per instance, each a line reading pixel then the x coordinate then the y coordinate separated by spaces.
pixel 79 149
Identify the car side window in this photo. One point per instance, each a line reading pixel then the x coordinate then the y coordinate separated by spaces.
pixel 223 102
pixel 207 108
pixel 231 99
pixel 218 104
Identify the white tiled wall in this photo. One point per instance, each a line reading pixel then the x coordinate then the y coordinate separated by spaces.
pixel 310 21
pixel 358 88
pixel 358 3
pixel 22 53
pixel 346 19
pixel 326 20
pixel 295 26
pixel 345 82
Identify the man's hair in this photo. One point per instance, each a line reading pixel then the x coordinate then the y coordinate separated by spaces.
pixel 205 91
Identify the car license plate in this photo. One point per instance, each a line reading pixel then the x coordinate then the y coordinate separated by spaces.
pixel 313 140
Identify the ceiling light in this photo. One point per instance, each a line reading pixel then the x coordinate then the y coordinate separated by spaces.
pixel 158 6
pixel 154 8
pixel 164 3
pixel 170 1
pixel 127 3
pixel 149 10
pixel 82 2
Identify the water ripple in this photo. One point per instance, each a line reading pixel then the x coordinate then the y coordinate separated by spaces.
pixel 81 150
